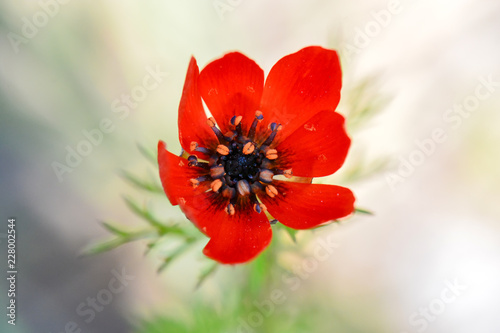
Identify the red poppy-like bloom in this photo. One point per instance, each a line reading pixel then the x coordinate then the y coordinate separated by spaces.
pixel 242 161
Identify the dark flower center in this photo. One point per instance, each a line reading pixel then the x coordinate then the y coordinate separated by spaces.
pixel 240 167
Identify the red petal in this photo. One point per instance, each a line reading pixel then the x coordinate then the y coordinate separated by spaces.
pixel 304 206
pixel 234 239
pixel 301 85
pixel 232 86
pixel 318 148
pixel 192 118
pixel 175 175
pixel 240 237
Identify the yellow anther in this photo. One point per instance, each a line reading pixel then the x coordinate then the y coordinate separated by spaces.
pixel 288 173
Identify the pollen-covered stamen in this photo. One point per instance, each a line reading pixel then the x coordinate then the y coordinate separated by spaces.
pixel 195 182
pixel 229 192
pixel 258 119
pixel 195 147
pixel 223 150
pixel 266 176
pixel 213 125
pixel 193 162
pixel 256 187
pixel 243 188
pixel 288 173
pixel 275 128
pixel 230 209
pixel 259 207
pixel 272 154
pixel 217 171
pixel 271 191
pixel 236 122
pixel 216 185
pixel 248 148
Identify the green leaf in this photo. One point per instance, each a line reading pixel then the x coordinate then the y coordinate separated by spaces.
pixel 206 273
pixel 104 246
pixel 146 215
pixel 148 154
pixel 123 237
pixel 176 253
pixel 115 229
pixel 362 211
pixel 291 232
pixel 142 184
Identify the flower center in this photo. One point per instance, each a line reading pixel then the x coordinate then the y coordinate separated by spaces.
pixel 240 167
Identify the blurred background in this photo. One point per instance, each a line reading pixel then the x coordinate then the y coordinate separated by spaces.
pixel 100 78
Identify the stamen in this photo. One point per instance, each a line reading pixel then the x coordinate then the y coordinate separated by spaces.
pixel 211 122
pixel 266 164
pixel 236 120
pixel 248 148
pixel 259 207
pixel 273 221
pixel 256 187
pixel 229 136
pixel 272 154
pixel 195 147
pixel 266 176
pixel 192 160
pixel 275 128
pixel 288 173
pixel 203 150
pixel 243 187
pixel 218 133
pixel 229 209
pixel 258 119
pixel 217 171
pixel 223 150
pixel 216 185
pixel 271 191
pixel 229 192
pixel 196 181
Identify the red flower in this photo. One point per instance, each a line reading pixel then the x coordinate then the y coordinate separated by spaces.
pixel 284 125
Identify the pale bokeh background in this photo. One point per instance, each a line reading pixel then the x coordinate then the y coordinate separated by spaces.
pixel 440 224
